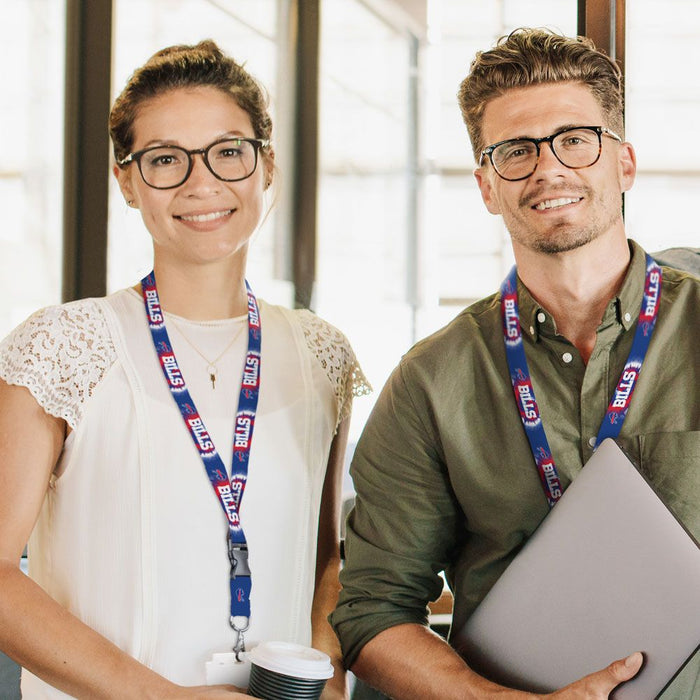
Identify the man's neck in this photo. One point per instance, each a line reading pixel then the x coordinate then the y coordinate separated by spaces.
pixel 576 286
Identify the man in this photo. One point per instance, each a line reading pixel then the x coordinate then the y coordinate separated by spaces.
pixel 445 477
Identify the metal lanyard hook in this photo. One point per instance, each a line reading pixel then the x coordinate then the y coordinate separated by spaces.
pixel 239 646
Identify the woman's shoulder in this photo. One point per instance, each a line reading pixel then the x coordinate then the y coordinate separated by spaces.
pixel 331 349
pixel 60 327
pixel 60 353
pixel 326 340
pixel 316 330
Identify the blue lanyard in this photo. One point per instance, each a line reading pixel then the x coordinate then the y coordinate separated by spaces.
pixel 522 381
pixel 229 491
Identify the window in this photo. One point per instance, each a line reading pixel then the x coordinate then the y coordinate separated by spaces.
pixel 663 101
pixel 365 219
pixel 31 169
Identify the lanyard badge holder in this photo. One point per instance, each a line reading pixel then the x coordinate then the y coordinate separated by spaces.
pixel 229 491
pixel 522 382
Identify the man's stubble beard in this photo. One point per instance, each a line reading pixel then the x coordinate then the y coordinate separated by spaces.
pixel 561 237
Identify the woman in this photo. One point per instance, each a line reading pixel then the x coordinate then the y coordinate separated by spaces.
pixel 116 412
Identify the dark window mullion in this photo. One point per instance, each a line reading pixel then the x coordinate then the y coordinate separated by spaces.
pixel 86 147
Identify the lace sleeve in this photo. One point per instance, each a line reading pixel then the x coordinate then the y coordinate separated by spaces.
pixel 332 349
pixel 60 354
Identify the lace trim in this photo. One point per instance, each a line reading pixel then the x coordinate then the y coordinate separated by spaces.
pixel 60 354
pixel 332 349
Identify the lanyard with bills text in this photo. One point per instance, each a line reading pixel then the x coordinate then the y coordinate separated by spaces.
pixel 522 382
pixel 229 491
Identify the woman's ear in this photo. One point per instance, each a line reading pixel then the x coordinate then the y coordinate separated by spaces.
pixel 269 162
pixel 124 180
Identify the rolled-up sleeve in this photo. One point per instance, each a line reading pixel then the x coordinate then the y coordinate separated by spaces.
pixel 405 521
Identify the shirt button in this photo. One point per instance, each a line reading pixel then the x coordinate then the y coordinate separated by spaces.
pixel 628 318
pixel 541 317
pixel 532 330
pixel 567 357
pixel 592 441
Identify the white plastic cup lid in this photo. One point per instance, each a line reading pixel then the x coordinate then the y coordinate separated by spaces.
pixel 292 660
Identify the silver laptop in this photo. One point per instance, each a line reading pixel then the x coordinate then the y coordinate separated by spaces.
pixel 609 571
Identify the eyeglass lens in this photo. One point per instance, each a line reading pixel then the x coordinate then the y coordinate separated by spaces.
pixel 169 166
pixel 576 148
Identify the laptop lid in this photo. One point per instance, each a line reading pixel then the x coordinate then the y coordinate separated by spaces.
pixel 609 571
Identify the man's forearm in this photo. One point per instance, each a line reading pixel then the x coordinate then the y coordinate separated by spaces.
pixel 410 661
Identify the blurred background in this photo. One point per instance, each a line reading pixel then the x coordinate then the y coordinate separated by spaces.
pixel 378 224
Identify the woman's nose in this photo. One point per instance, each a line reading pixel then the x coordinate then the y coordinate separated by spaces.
pixel 201 178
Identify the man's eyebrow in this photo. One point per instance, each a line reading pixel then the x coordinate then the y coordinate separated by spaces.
pixel 563 127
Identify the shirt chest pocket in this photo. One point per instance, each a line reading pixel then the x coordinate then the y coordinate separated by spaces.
pixel 671 462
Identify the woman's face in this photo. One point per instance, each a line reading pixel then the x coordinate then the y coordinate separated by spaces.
pixel 205 219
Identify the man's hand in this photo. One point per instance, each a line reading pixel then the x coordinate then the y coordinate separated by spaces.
pixel 599 685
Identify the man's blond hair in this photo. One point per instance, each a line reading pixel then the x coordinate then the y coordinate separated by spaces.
pixel 533 57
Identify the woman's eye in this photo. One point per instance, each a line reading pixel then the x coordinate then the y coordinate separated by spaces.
pixel 163 160
pixel 229 153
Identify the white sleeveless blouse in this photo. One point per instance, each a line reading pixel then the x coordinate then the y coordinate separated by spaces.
pixel 131 538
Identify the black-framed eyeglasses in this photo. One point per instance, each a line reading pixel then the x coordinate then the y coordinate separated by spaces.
pixel 165 167
pixel 576 147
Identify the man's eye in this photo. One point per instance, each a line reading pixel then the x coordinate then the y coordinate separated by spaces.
pixel 576 139
pixel 573 141
pixel 515 151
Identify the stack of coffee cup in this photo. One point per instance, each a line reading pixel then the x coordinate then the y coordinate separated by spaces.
pixel 284 671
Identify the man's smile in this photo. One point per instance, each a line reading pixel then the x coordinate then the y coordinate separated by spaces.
pixel 556 203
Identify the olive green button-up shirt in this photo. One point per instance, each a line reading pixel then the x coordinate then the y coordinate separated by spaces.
pixel 444 475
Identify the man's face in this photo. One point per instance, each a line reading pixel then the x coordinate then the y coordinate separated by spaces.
pixel 556 209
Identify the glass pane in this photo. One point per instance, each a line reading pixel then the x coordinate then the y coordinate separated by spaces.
pixel 32 35
pixel 364 249
pixel 245 30
pixel 662 105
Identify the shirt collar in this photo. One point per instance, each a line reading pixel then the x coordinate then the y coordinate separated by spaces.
pixel 623 308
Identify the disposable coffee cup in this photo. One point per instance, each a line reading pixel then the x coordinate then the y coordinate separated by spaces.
pixel 284 671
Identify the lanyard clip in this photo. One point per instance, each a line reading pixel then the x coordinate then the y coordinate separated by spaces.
pixel 239 645
pixel 238 558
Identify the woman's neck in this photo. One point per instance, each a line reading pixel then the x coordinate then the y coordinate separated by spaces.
pixel 202 292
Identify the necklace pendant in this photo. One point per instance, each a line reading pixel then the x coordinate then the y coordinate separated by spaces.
pixel 212 375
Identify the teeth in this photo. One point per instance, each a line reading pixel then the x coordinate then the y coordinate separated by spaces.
pixel 200 218
pixel 552 203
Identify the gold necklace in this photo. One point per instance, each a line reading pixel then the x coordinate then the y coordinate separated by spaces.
pixel 212 369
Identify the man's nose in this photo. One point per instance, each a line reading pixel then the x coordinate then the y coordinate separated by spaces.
pixel 547 161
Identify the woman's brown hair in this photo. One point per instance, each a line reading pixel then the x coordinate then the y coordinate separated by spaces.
pixel 203 64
